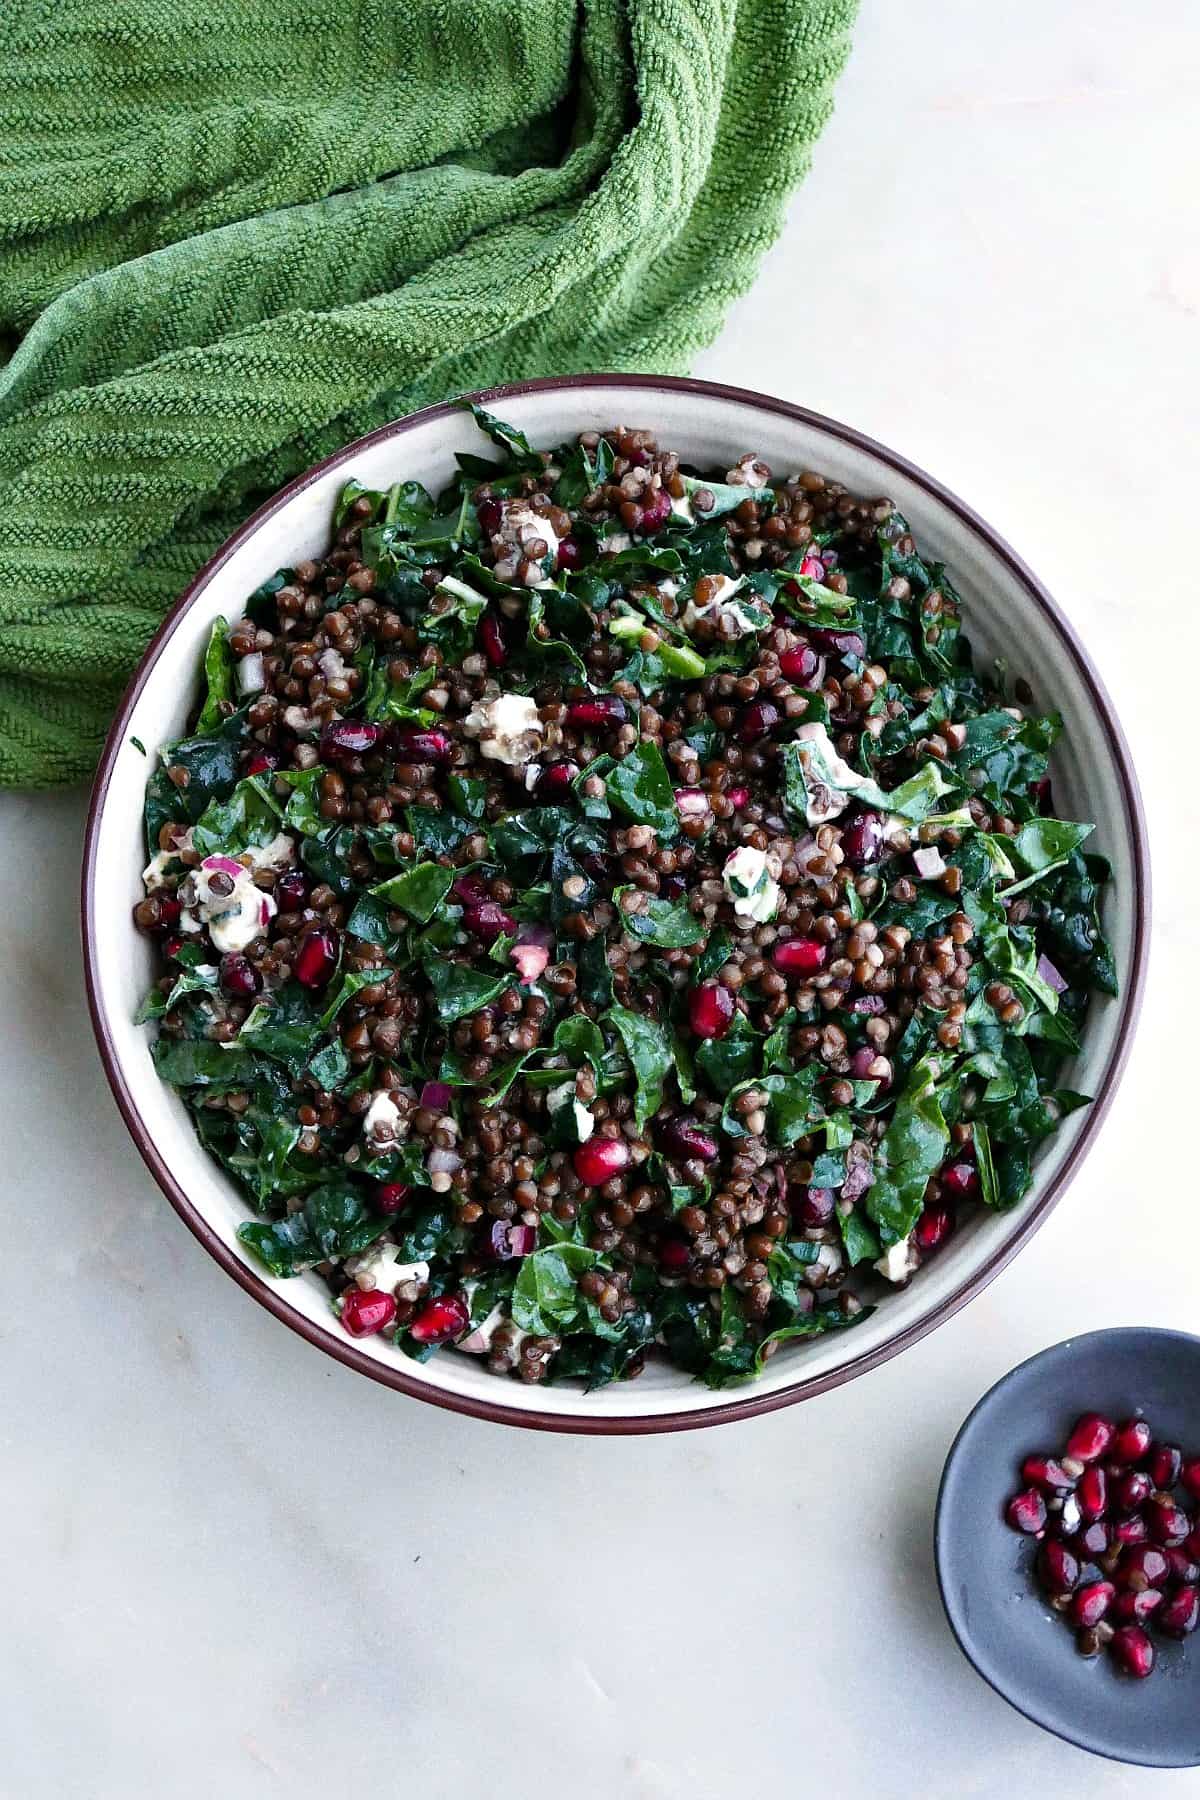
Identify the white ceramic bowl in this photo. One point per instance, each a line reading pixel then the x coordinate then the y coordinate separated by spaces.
pixel 1008 613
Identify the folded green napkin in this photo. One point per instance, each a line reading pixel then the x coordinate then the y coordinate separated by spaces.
pixel 233 237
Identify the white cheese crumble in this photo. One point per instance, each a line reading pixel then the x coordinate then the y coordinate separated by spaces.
pixel 898 1261
pixel 723 610
pixel 382 1261
pixel 235 919
pixel 509 729
pixel 479 1342
pixel 748 472
pixel 154 874
pixel 617 540
pixel 381 1122
pixel 751 885
pixel 829 771
pixel 681 508
pixel 564 1095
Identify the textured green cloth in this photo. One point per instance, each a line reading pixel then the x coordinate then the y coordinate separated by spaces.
pixel 234 236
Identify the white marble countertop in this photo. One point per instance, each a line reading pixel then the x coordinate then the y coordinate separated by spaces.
pixel 229 1566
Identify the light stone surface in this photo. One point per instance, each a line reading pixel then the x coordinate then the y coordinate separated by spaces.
pixel 229 1566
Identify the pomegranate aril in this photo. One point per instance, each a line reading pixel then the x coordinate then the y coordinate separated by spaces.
pixel 1142 1566
pixel 1130 1531
pixel 800 956
pixel 316 957
pixel 799 664
pixel 1136 1606
pixel 1189 1476
pixel 1026 1511
pixel 684 1140
pixel 1130 1442
pixel 434 747
pixel 239 977
pixel 595 714
pixel 756 721
pixel 488 921
pixel 365 1314
pixel 1090 1603
pixel 169 908
pixel 1090 1437
pixel 262 762
pixel 710 1010
pixel 1132 1651
pixel 738 797
pixel 505 1241
pixel 1164 1464
pixel 1131 1490
pixel 440 1320
pixel 1179 1615
pixel 344 739
pixel 1093 1540
pixel 863 840
pixel 656 510
pixel 1191 1543
pixel 1058 1569
pixel 1092 1493
pixel 1046 1473
pixel 569 553
pixel 674 1255
pixel 291 891
pixel 468 890
pixel 490 514
pixel 600 1159
pixel 813 1207
pixel 960 1181
pixel 391 1197
pixel 934 1226
pixel 492 641
pixel 1168 1523
pixel 1184 1568
pixel 554 782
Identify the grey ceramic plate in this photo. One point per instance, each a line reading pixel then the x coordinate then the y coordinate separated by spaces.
pixel 1001 1622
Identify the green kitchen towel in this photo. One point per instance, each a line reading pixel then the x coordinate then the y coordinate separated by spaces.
pixel 234 236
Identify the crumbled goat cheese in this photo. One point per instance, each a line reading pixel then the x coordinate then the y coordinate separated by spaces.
pixel 508 727
pixel 726 613
pixel 381 1122
pixel 382 1262
pixel 830 799
pixel 898 1261
pixel 235 919
pixel 559 1097
pixel 751 885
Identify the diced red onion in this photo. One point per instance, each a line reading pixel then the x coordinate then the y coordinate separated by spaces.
pixel 443 1162
pixel 1051 976
pixel 436 1095
pixel 692 802
pixel 929 862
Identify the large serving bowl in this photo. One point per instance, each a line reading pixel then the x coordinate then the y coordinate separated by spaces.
pixel 1008 614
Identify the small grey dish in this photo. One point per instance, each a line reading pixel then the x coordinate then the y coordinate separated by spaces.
pixel 1002 1623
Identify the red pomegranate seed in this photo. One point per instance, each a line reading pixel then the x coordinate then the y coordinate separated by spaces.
pixel 813 1207
pixel 684 1140
pixel 1130 1531
pixel 491 640
pixel 490 514
pixel 468 890
pixel 710 1010
pixel 1092 1493
pixel 839 643
pixel 1189 1475
pixel 1142 1566
pixel 960 1180
pixel 344 739
pixel 488 921
pixel 934 1226
pixel 1090 1603
pixel 1130 1442
pixel 1179 1616
pixel 440 1320
pixel 1058 1569
pixel 813 568
pixel 756 721
pixel 862 840
pixel 365 1314
pixel 596 713
pixel 1090 1437
pixel 1164 1465
pixel 391 1196
pixel 169 908
pixel 1046 1473
pixel 291 891
pixel 316 958
pixel 738 797
pixel 1191 1543
pixel 172 945
pixel 799 664
pixel 600 1159
pixel 569 553
pixel 435 747
pixel 1131 1490
pixel 261 762
pixel 1132 1651
pixel 554 782
pixel 656 510
pixel 506 1241
pixel 800 956
pixel 674 1254
pixel 239 976
pixel 1183 1568
pixel 1026 1511
pixel 1093 1539
pixel 1136 1606
pixel 1168 1524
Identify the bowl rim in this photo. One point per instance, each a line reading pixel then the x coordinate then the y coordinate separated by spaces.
pixel 957 1614
pixel 750 1404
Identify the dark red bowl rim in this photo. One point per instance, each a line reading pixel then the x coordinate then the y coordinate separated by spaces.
pixel 641 386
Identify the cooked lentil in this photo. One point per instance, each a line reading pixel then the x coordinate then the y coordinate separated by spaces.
pixel 604 913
